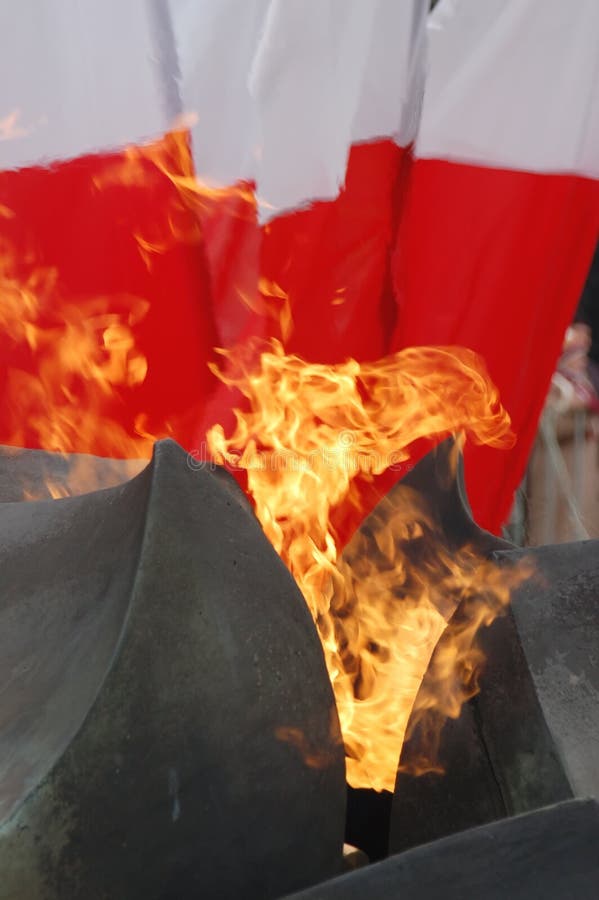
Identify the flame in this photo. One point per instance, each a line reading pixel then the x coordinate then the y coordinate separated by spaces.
pixel 398 603
pixel 408 607
pixel 272 302
pixel 382 606
pixel 84 352
pixel 190 207
pixel 83 355
pixel 192 201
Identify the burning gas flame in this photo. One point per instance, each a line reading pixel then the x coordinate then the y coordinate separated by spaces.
pixel 310 434
pixel 172 157
pixel 191 208
pixel 78 356
pixel 382 606
pixel 83 355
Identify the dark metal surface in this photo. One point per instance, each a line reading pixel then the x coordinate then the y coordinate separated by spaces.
pixel 439 480
pixel 152 643
pixel 425 810
pixel 557 616
pixel 500 757
pixel 67 572
pixel 550 854
pixel 429 807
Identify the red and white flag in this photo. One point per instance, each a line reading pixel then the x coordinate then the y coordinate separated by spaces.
pixel 502 216
pixel 310 219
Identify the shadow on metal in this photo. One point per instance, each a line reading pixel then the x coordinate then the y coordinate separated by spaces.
pixel 529 738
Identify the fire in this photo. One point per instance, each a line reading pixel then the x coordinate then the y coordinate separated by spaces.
pixel 80 357
pixel 83 355
pixel 172 157
pixel 382 605
pixel 272 302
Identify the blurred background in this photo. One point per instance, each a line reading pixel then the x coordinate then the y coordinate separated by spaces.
pixel 558 499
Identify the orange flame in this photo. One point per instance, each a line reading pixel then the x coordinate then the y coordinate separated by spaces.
pixel 173 158
pixel 81 358
pixel 84 352
pixel 382 606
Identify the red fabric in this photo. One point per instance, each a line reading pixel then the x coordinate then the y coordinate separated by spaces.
pixel 495 260
pixel 213 288
pixel 76 218
pixel 490 259
pixel 331 259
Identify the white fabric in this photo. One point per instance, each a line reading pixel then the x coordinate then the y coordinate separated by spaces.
pixel 515 84
pixel 393 76
pixel 76 76
pixel 281 88
pixel 216 42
